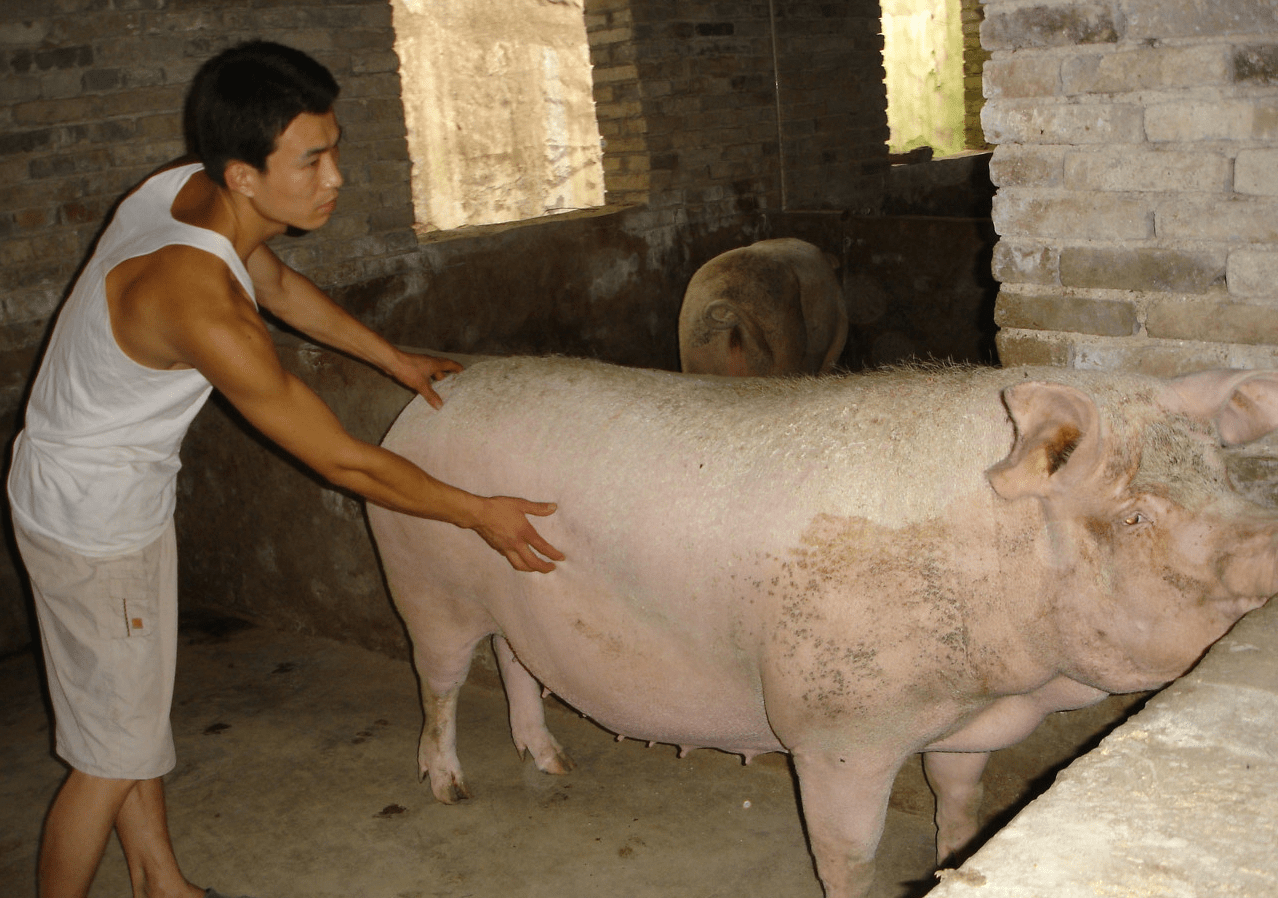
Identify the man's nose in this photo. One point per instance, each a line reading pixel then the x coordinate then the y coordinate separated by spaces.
pixel 332 173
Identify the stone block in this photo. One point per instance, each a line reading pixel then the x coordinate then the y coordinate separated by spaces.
pixel 1032 348
pixel 1143 270
pixel 1159 358
pixel 1163 19
pixel 1056 25
pixel 1020 213
pixel 1236 119
pixel 1214 320
pixel 1253 272
pixel 1063 123
pixel 1026 263
pixel 1146 69
pixel 1256 65
pixel 1125 168
pixel 1014 77
pixel 1256 172
pixel 1066 313
pixel 1225 220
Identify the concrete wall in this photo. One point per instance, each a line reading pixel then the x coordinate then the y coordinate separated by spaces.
pixel 1138 199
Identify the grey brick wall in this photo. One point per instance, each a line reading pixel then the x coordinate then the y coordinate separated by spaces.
pixel 1137 201
pixel 90 101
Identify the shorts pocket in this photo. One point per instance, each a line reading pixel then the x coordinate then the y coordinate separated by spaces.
pixel 134 603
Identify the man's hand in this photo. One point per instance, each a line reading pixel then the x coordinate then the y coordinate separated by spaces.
pixel 418 372
pixel 505 527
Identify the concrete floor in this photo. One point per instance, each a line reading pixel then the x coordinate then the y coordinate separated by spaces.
pixel 296 776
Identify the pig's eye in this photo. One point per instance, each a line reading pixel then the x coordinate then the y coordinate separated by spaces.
pixel 1135 518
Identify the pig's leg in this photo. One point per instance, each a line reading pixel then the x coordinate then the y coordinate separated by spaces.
pixel 955 778
pixel 528 714
pixel 444 635
pixel 844 802
pixel 441 677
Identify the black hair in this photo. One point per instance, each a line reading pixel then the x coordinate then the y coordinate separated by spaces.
pixel 242 100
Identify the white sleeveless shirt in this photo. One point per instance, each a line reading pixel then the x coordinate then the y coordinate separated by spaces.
pixel 96 464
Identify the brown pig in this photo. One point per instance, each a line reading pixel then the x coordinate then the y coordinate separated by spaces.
pixel 850 569
pixel 770 308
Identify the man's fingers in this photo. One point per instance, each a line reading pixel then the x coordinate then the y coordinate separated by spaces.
pixel 545 548
pixel 527 561
pixel 428 393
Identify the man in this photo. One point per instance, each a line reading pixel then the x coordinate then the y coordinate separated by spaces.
pixel 165 310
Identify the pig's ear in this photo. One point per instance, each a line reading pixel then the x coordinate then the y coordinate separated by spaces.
pixel 1243 404
pixel 1057 440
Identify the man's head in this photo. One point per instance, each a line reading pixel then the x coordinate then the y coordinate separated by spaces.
pixel 242 100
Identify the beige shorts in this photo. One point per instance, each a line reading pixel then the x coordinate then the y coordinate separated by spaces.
pixel 109 631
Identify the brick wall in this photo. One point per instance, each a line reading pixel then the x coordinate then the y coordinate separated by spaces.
pixel 1137 182
pixel 90 101
pixel 687 99
pixel 974 57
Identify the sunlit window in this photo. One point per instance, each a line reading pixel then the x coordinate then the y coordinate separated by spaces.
pixel 498 103
pixel 933 61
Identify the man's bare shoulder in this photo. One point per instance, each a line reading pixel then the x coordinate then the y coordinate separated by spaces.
pixel 175 276
pixel 160 302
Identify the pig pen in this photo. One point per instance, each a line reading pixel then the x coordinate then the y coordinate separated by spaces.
pixel 297 742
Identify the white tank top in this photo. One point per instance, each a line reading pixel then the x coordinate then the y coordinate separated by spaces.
pixel 95 467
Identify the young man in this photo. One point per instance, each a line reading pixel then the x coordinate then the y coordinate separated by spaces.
pixel 165 311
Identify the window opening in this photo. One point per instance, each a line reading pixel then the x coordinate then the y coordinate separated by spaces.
pixel 933 60
pixel 499 107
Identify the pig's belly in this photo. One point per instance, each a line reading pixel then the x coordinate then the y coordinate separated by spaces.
pixel 635 671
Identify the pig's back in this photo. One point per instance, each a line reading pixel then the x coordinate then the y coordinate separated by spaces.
pixel 668 487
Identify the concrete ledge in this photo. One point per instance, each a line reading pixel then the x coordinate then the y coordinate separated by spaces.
pixel 1178 802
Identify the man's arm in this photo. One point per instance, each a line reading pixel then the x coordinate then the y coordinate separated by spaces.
pixel 214 328
pixel 297 301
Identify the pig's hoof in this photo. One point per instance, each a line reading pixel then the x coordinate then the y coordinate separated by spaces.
pixel 550 758
pixel 450 791
pixel 557 763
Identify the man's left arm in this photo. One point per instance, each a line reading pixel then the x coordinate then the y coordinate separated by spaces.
pixel 298 302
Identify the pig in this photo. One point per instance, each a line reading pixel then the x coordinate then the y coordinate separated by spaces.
pixel 771 308
pixel 851 569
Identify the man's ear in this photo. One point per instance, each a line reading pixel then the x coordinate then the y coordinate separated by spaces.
pixel 241 178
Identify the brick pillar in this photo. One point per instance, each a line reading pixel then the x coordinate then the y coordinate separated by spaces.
pixel 1137 199
pixel 974 57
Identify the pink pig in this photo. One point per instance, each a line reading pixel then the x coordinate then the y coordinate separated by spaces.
pixel 849 569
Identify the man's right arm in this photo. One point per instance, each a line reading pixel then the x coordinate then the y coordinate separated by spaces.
pixel 214 328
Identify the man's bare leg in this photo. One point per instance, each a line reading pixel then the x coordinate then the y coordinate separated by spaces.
pixel 76 831
pixel 80 822
pixel 143 827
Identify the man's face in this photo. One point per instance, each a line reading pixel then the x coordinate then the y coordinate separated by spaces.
pixel 300 184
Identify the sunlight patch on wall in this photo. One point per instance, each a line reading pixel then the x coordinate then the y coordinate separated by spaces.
pixel 923 57
pixel 499 107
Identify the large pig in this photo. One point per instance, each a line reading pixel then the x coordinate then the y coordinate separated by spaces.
pixel 850 569
pixel 770 308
